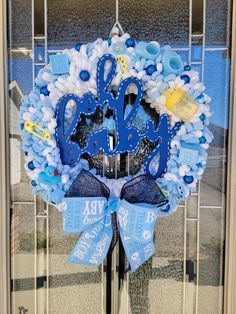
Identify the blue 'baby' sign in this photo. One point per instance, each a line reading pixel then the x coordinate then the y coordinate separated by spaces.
pixel 128 137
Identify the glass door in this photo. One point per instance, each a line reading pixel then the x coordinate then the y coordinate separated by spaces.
pixel 186 273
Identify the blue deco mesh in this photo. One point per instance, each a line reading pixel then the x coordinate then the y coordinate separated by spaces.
pixel 143 189
pixel 87 185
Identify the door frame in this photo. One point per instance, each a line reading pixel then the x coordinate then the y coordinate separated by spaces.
pixel 230 240
pixel 230 234
pixel 4 169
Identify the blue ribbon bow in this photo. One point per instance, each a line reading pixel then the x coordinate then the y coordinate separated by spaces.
pixel 90 211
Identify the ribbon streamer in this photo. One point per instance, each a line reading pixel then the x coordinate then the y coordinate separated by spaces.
pixel 89 211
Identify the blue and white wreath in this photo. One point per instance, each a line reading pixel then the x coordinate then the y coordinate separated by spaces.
pixel 168 86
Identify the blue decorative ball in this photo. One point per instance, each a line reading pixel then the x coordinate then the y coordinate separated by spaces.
pixel 22 126
pixel 185 78
pixel 202 139
pixel 78 46
pixel 188 179
pixel 130 42
pixel 31 165
pixel 166 209
pixel 84 75
pixel 44 90
pixel 202 117
pixel 33 183
pixel 151 69
pixel 187 67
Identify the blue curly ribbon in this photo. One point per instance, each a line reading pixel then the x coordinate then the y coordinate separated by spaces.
pixel 91 214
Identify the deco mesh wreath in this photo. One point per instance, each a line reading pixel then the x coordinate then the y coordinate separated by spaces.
pixel 152 106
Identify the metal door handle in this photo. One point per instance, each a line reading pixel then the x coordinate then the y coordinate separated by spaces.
pixel 22 310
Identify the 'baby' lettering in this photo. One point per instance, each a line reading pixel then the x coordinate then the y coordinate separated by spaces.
pixel 128 137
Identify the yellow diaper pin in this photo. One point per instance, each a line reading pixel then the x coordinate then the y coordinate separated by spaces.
pixel 37 130
pixel 122 60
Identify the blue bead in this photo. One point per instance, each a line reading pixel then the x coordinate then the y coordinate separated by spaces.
pixel 31 165
pixel 22 126
pixel 109 40
pixel 200 98
pixel 187 67
pixel 33 183
pixel 166 209
pixel 78 46
pixel 44 90
pixel 84 75
pixel 151 69
pixel 202 117
pixel 202 139
pixel 185 78
pixel 130 42
pixel 188 179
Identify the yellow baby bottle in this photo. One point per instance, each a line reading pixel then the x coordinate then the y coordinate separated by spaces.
pixel 181 104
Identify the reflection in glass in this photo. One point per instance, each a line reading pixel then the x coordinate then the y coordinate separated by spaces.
pixel 211 269
pixel 73 288
pixel 20 23
pixel 19 64
pixel 197 16
pixel 75 21
pixel 192 206
pixel 22 258
pixel 164 21
pixel 218 22
pixel 39 52
pixel 157 287
pixel 41 263
pixel 196 49
pixel 191 258
pixel 39 17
